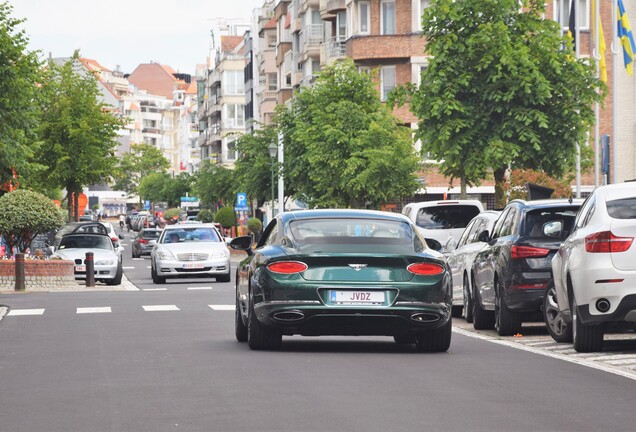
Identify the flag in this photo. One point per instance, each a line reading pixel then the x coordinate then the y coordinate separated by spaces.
pixel 626 38
pixel 602 67
pixel 572 24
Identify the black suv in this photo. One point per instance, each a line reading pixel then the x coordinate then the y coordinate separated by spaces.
pixel 511 273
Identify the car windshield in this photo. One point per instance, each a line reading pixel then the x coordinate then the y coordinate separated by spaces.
pixel 191 235
pixel 86 242
pixel 353 235
pixel 622 208
pixel 537 219
pixel 446 216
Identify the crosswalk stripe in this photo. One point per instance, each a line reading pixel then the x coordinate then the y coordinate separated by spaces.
pixel 25 312
pixel 90 310
pixel 222 307
pixel 160 308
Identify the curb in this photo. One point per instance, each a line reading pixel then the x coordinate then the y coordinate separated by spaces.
pixel 3 311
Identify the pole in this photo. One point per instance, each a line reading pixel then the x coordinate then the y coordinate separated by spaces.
pixel 281 181
pixel 272 188
pixel 90 269
pixel 577 39
pixel 615 49
pixel 19 272
pixel 597 57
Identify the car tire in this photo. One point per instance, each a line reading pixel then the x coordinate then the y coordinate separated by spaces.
pixel 482 319
pixel 586 338
pixel 404 339
pixel 436 340
pixel 260 337
pixel 134 255
pixel 507 322
pixel 223 278
pixel 118 276
pixel 468 301
pixel 155 277
pixel 240 329
pixel 558 328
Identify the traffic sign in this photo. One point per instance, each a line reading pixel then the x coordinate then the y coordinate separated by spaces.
pixel 241 199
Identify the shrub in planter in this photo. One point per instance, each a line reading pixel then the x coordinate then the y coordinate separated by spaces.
pixel 205 216
pixel 23 215
pixel 171 215
pixel 225 216
pixel 255 226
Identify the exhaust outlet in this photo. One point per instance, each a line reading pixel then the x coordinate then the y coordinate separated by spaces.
pixel 288 316
pixel 424 317
pixel 602 305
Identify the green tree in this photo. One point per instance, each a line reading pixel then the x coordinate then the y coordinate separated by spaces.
pixel 214 183
pixel 343 147
pixel 501 91
pixel 151 186
pixel 23 215
pixel 78 131
pixel 226 217
pixel 142 160
pixel 176 187
pixel 19 75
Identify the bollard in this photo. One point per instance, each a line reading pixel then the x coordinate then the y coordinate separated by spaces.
pixel 90 269
pixel 19 272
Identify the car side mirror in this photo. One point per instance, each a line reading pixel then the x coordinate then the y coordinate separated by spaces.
pixel 243 243
pixel 121 236
pixel 484 236
pixel 553 229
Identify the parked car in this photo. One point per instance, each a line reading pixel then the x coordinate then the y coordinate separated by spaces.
pixel 107 262
pixel 510 274
pixel 110 229
pixel 342 272
pixel 144 241
pixel 92 228
pixel 460 261
pixel 443 220
pixel 190 250
pixel 595 271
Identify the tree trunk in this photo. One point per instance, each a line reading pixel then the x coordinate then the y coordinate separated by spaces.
pixel 462 187
pixel 500 180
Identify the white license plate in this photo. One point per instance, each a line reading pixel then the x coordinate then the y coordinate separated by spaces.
pixel 80 268
pixel 193 266
pixel 357 297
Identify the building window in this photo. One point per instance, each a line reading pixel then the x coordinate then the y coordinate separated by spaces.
pixel 387 17
pixel 387 80
pixel 272 82
pixel 231 150
pixel 234 82
pixel 341 26
pixel 562 14
pixel 365 17
pixel 235 118
pixel 423 5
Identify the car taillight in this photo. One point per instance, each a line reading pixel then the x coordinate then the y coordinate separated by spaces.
pixel 143 241
pixel 114 239
pixel 287 267
pixel 529 252
pixel 605 241
pixel 425 269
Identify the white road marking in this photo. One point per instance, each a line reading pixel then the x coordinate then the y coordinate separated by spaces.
pixel 160 308
pixel 25 312
pixel 128 268
pixel 200 288
pixel 155 289
pixel 91 310
pixel 148 266
pixel 138 259
pixel 222 307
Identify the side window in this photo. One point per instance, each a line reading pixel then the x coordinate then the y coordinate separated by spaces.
pixel 509 222
pixel 590 213
pixel 468 233
pixel 271 238
pixel 269 234
pixel 582 217
pixel 499 224
pixel 481 225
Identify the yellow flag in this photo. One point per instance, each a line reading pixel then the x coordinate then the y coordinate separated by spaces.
pixel 602 67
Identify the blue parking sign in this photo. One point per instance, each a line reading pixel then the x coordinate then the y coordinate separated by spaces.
pixel 241 199
pixel 147 205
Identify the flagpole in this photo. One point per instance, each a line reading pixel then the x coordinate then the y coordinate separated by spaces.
pixel 577 43
pixel 597 56
pixel 615 49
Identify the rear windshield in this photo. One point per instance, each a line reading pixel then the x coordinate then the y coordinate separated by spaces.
pixel 541 221
pixel 354 235
pixel 151 234
pixel 446 216
pixel 622 208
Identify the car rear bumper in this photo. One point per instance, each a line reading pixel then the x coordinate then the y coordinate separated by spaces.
pixel 623 310
pixel 315 319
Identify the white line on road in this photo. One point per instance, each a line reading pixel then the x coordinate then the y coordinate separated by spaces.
pixel 138 259
pixel 160 308
pixel 155 289
pixel 90 310
pixel 128 268
pixel 25 312
pixel 200 288
pixel 222 307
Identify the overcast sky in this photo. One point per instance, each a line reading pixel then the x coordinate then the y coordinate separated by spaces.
pixel 129 32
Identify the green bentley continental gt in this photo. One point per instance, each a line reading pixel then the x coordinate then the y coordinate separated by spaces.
pixel 342 272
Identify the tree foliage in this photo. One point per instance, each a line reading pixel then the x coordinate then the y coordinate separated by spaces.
pixel 19 75
pixel 343 147
pixel 215 184
pixel 500 90
pixel 23 215
pixel 226 217
pixel 516 187
pixel 142 161
pixel 78 132
pixel 157 187
pixel 205 216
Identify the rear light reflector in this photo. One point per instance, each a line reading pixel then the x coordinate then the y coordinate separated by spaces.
pixel 605 241
pixel 287 267
pixel 529 252
pixel 539 285
pixel 604 281
pixel 425 269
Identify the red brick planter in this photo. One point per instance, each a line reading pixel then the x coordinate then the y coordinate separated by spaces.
pixel 40 275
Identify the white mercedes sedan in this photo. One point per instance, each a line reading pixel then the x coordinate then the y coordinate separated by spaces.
pixel 190 250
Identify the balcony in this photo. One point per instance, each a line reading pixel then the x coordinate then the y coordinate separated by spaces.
pixel 308 4
pixel 151 130
pixel 399 46
pixel 311 36
pixel 331 7
pixel 332 50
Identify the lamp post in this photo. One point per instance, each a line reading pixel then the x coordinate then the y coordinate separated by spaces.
pixel 273 149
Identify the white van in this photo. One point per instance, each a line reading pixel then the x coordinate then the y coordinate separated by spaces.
pixel 443 221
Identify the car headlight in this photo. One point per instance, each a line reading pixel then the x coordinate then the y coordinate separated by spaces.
pixel 165 254
pixel 105 262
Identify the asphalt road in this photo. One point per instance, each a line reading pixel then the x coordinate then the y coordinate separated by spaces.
pixel 168 361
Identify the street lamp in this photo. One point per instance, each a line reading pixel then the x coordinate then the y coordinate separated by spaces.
pixel 273 149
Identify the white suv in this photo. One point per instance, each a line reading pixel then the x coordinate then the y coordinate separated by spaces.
pixel 595 270
pixel 443 221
